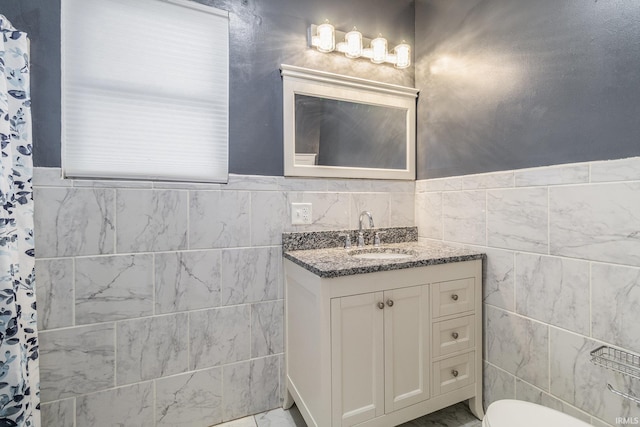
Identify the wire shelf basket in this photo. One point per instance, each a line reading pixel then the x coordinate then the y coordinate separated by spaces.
pixel 617 360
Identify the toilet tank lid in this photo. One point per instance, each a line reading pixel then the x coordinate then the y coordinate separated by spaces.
pixel 510 412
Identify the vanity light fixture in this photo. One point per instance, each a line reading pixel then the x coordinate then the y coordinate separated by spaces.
pixel 403 55
pixel 323 37
pixel 353 42
pixel 379 50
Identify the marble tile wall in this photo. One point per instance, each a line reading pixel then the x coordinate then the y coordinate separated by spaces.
pixel 160 304
pixel 562 277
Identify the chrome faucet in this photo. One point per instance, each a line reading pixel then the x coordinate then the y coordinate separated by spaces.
pixel 360 232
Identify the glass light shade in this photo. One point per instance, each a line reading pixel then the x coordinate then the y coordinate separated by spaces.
pixel 327 38
pixel 353 40
pixel 379 48
pixel 403 55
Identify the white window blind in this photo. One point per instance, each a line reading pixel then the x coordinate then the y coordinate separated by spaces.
pixel 145 90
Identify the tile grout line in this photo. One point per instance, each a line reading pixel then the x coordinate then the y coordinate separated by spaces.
pixel 115 221
pixel 548 220
pixel 590 300
pixel 188 219
pixel 73 289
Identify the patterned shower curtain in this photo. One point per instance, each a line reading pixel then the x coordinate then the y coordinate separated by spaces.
pixel 19 372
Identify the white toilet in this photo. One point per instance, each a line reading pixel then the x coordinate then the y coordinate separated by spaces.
pixel 510 413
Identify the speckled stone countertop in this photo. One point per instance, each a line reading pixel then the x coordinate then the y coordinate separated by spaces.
pixel 335 239
pixel 334 261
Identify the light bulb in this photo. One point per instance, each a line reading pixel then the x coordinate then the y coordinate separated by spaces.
pixel 326 37
pixel 353 39
pixel 403 55
pixel 379 50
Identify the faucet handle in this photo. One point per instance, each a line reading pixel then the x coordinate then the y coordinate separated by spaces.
pixel 347 240
pixel 376 237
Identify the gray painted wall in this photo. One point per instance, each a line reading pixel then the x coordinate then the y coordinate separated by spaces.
pixel 264 34
pixel 507 84
pixel 41 20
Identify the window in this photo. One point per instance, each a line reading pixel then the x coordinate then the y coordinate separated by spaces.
pixel 145 90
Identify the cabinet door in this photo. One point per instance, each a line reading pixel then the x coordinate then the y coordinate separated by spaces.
pixel 357 362
pixel 406 331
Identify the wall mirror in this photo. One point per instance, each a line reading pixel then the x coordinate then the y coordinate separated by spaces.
pixel 339 126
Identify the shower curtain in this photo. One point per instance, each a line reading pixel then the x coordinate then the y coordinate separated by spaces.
pixel 19 372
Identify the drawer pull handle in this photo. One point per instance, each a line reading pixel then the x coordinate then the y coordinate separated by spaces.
pixel 454 335
pixel 390 302
pixel 380 305
pixel 454 373
pixel 454 297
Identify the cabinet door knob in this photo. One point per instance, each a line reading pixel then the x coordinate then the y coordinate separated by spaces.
pixel 454 297
pixel 390 302
pixel 380 305
pixel 454 373
pixel 454 335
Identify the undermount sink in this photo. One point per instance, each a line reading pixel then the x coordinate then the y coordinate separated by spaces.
pixel 382 253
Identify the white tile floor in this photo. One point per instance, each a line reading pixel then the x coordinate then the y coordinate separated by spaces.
pixel 454 416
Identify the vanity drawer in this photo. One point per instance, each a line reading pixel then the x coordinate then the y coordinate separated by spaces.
pixel 453 297
pixel 453 335
pixel 453 373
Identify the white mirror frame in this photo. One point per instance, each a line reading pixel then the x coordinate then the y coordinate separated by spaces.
pixel 303 81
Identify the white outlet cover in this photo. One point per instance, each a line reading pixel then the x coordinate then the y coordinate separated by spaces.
pixel 301 213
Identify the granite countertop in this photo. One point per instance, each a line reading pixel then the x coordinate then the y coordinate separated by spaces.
pixel 338 261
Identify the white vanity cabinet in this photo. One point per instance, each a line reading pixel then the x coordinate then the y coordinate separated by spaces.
pixel 383 348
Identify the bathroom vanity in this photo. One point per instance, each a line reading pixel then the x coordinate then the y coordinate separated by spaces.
pixel 380 336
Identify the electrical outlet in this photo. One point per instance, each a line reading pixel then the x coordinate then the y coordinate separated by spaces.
pixel 300 213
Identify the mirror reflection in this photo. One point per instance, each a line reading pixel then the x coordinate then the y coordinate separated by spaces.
pixel 331 132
